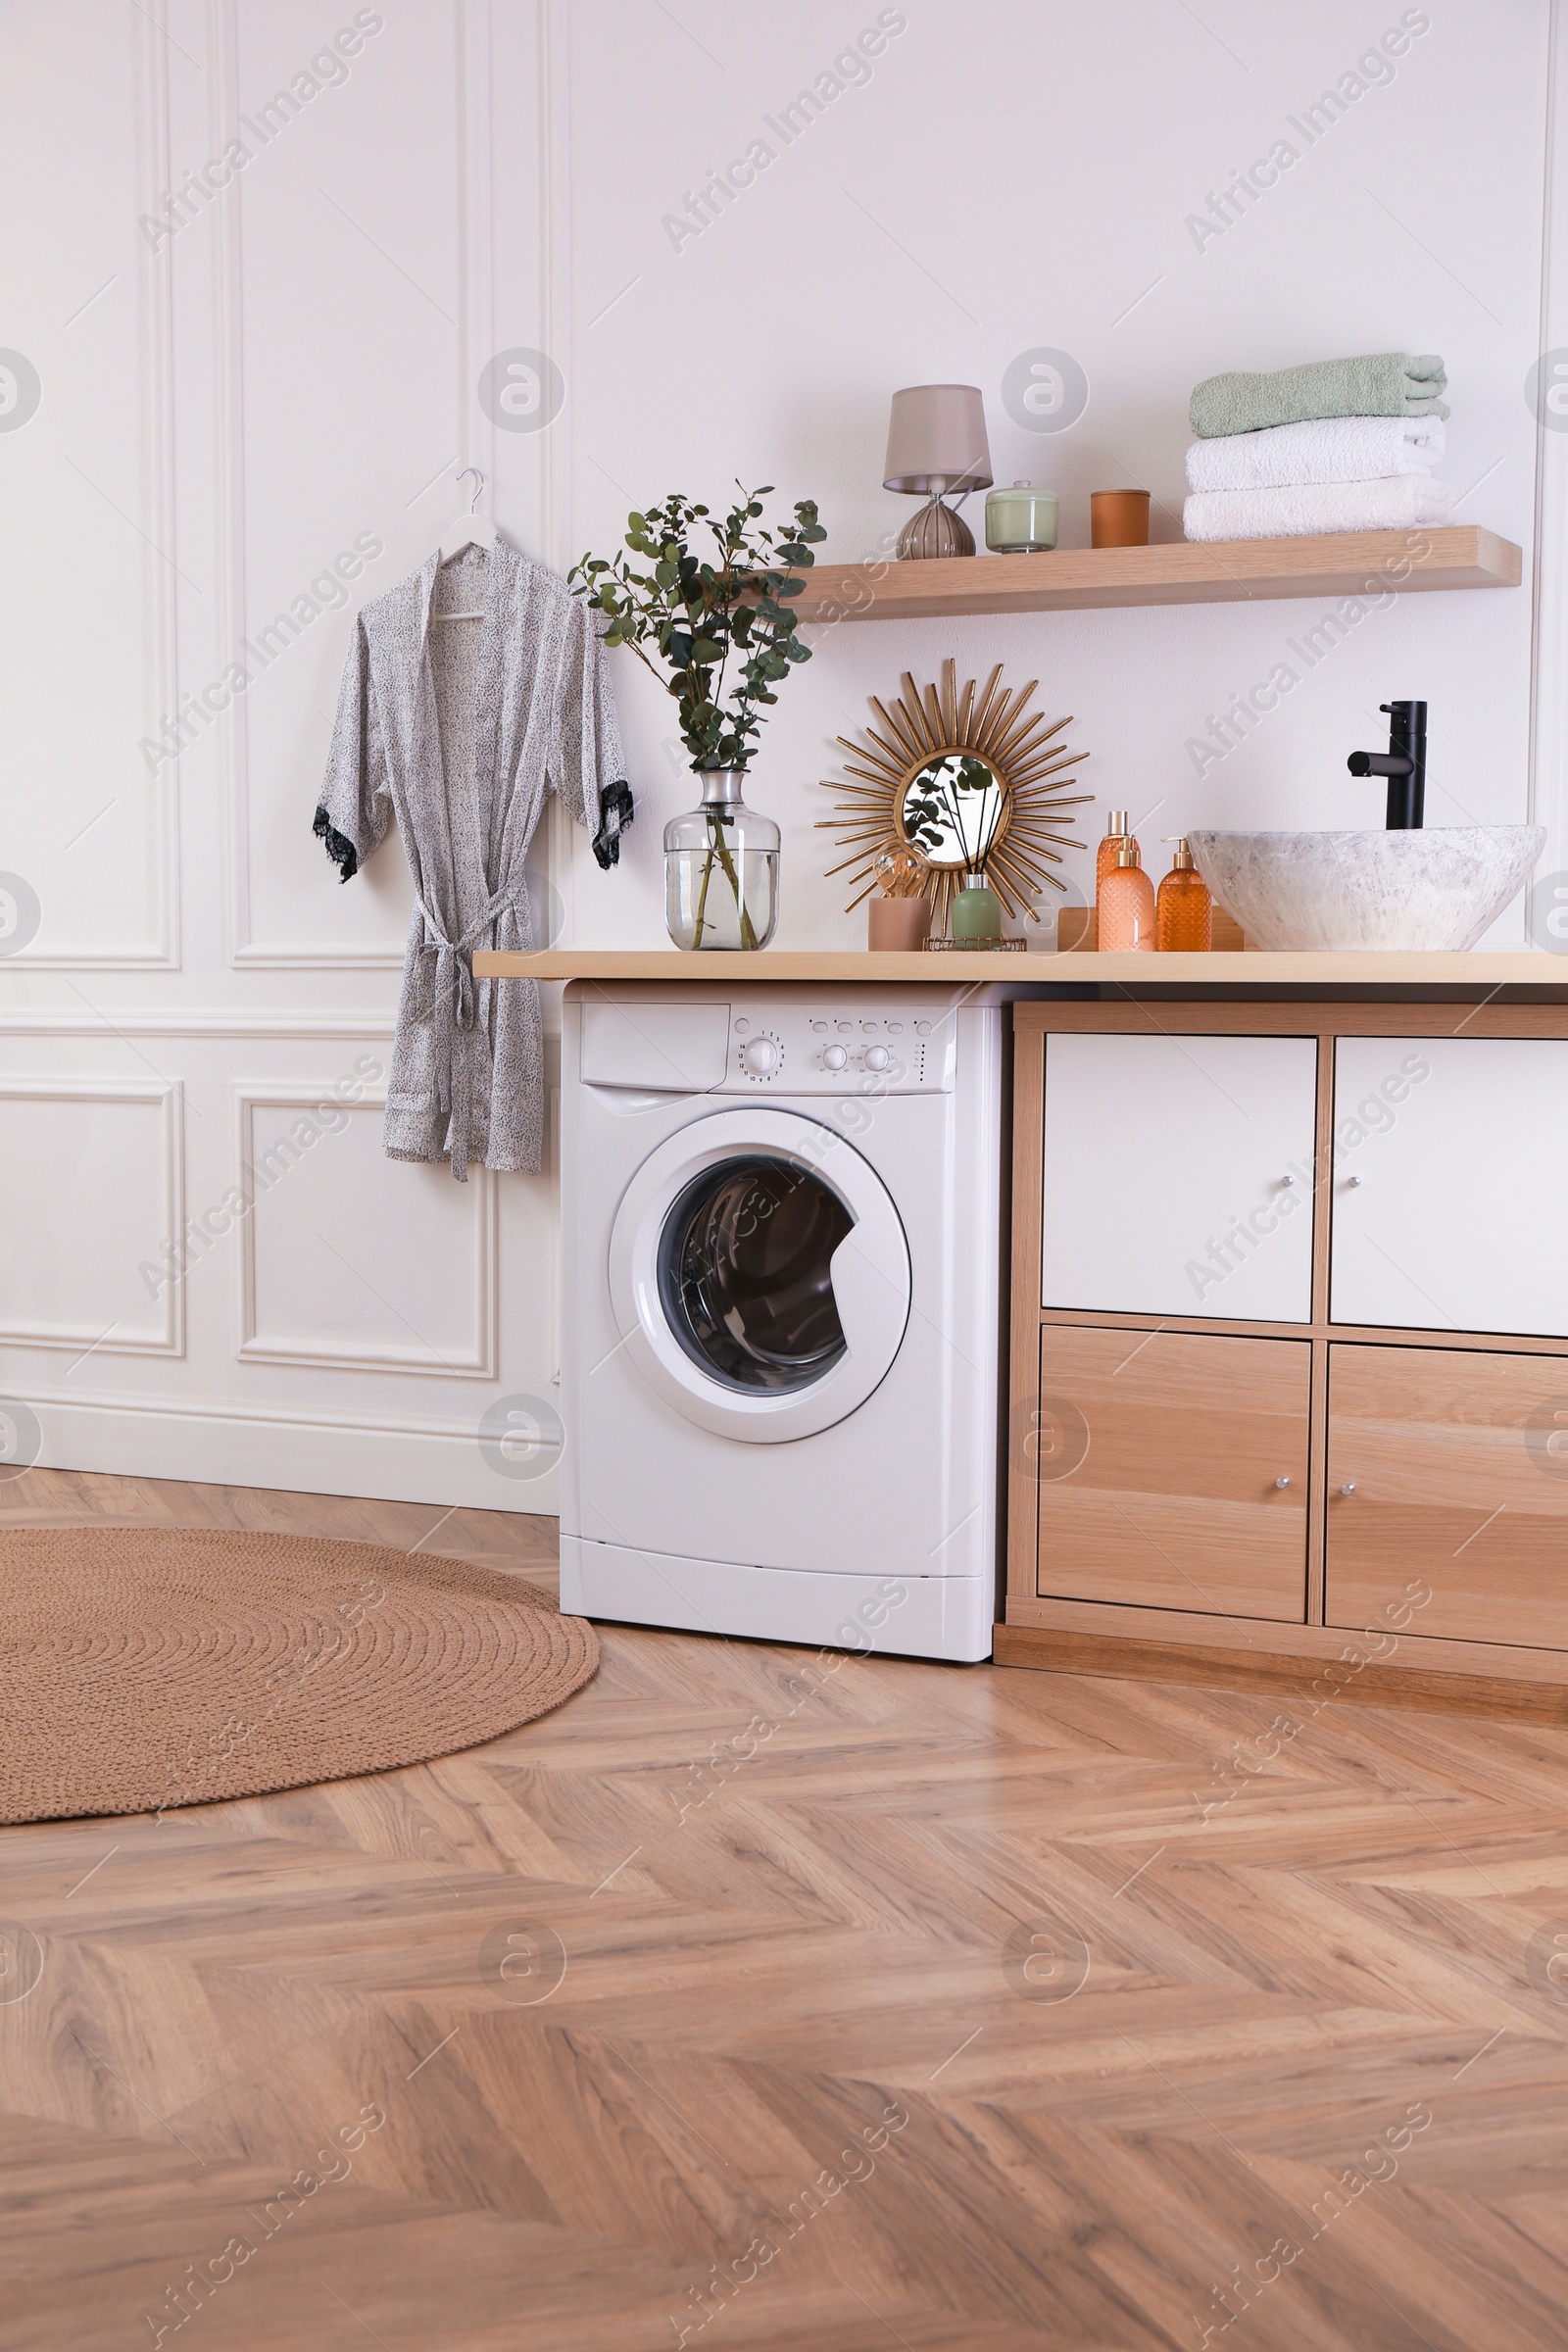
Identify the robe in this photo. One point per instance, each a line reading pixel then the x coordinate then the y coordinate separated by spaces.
pixel 456 731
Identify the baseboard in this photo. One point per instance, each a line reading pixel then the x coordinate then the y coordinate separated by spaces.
pixel 395 1461
pixel 1277 1673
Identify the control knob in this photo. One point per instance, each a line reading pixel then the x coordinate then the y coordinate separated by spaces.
pixel 834 1057
pixel 760 1057
pixel 877 1057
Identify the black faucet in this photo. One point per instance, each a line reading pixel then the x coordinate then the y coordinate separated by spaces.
pixel 1405 763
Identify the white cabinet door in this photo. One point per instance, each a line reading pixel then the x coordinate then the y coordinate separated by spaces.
pixel 1178 1176
pixel 1451 1183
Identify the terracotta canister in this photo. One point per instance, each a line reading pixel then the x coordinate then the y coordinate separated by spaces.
pixel 1119 519
pixel 897 926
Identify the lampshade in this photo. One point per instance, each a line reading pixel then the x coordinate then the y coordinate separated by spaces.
pixel 937 440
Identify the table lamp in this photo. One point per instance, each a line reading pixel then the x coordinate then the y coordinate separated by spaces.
pixel 937 443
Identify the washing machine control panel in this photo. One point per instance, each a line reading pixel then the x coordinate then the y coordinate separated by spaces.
pixel 822 1050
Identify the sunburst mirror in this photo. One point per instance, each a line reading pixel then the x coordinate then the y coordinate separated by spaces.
pixel 965 782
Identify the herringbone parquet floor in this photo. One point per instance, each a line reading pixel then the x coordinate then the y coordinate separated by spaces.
pixel 763 2000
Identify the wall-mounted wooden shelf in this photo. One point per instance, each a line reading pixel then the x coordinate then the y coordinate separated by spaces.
pixel 1182 572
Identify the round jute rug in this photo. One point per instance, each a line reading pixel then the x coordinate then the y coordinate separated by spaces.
pixel 147 1667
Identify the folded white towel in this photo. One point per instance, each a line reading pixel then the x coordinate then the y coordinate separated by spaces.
pixel 1327 449
pixel 1312 507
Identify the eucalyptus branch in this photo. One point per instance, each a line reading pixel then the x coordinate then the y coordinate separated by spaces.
pixel 688 615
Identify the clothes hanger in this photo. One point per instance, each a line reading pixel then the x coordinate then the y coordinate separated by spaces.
pixel 472 529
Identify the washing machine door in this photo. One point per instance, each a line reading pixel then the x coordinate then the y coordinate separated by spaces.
pixel 759 1275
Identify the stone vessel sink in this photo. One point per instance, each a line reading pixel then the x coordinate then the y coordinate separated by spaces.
pixel 1438 887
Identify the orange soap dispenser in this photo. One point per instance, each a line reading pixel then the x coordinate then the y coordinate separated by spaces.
pixel 1125 919
pixel 1184 913
pixel 1118 828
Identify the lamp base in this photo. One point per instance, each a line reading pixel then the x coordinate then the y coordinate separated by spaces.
pixel 934 529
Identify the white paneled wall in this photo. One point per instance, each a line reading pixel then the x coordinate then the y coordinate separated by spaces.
pixel 247 421
pixel 251 408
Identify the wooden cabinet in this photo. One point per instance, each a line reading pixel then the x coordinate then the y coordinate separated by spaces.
pixel 1173 1469
pixel 1178 1175
pixel 1451 1156
pixel 1182 1340
pixel 1449 1467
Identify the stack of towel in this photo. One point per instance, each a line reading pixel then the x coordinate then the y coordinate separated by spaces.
pixel 1347 445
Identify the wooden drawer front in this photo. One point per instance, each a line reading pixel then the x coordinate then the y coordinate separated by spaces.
pixel 1178 1176
pixel 1159 1463
pixel 1448 1160
pixel 1459 1464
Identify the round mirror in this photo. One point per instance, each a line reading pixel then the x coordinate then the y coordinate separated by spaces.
pixel 951 809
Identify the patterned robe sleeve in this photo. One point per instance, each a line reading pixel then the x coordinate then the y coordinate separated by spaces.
pixel 355 809
pixel 587 766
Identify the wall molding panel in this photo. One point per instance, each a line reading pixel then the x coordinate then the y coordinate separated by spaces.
pixel 474 442
pixel 223 36
pixel 283 1025
pixel 154 380
pixel 557 518
pixel 476 314
pixel 244 949
pixel 422 1357
pixel 167 1096
pixel 1549 746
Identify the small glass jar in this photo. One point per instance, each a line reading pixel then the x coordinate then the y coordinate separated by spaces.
pixel 1021 520
pixel 721 868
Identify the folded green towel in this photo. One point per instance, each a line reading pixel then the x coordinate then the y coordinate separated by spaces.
pixel 1391 384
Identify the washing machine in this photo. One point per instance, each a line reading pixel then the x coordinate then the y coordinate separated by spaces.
pixel 781 1216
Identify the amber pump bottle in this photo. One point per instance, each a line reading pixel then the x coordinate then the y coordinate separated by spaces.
pixel 1184 912
pixel 1118 828
pixel 1125 919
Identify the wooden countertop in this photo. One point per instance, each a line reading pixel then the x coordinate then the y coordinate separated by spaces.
pixel 1480 970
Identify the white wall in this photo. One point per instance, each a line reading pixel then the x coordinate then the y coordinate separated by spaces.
pixel 1015 177
pixel 294 373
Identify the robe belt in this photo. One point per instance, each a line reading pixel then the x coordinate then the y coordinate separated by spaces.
pixel 455 1017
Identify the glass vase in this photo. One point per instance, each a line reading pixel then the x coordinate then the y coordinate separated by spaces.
pixel 721 868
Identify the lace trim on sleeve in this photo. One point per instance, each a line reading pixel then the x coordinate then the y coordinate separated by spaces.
pixel 342 851
pixel 617 809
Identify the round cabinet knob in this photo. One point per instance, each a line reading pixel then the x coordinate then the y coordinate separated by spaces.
pixel 1285 1182
pixel 760 1057
pixel 877 1057
pixel 1282 1481
pixel 834 1057
pixel 1349 1487
pixel 1350 1183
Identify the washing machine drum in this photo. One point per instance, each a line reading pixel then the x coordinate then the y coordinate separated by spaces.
pixel 759 1275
